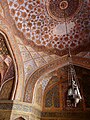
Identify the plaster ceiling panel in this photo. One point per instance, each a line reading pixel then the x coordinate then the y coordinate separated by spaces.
pixel 26 56
pixel 34 55
pixel 40 62
pixel 19 41
pixel 29 66
pixel 22 47
pixel 48 59
pixel 30 49
pixel 42 54
pixel 42 22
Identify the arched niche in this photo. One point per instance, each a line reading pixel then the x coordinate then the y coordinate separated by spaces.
pixel 32 80
pixel 46 83
pixel 11 44
pixel 7 70
pixel 51 92
pixel 20 118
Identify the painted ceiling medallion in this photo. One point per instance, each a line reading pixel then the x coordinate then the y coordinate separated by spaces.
pixel 56 8
pixel 63 5
pixel 41 22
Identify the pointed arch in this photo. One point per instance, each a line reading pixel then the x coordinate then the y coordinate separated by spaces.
pixel 29 89
pixel 17 60
pixel 20 118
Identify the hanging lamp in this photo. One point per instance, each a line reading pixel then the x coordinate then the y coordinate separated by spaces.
pixel 73 91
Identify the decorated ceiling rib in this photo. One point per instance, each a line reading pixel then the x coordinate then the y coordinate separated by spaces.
pixel 42 22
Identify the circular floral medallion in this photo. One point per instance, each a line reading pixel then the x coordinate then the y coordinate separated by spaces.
pixel 57 9
pixel 63 5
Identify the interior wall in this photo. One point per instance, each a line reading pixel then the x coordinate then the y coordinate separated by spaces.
pixel 11 110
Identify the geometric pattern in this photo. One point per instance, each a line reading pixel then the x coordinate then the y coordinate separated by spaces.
pixel 32 59
pixel 52 98
pixel 3 48
pixel 32 19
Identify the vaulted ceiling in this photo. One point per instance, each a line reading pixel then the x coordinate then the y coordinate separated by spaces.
pixel 39 29
pixel 42 23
